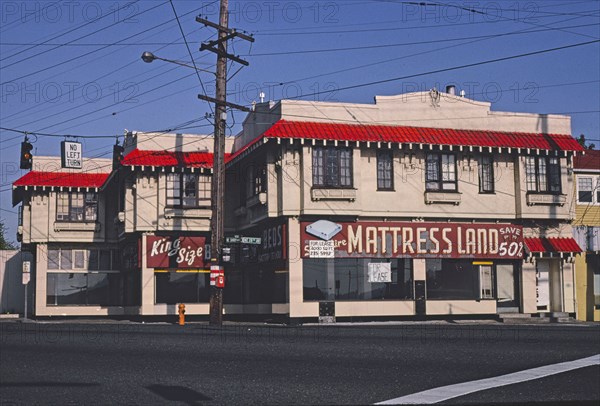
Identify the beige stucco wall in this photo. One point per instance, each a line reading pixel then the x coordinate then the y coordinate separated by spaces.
pixel 39 208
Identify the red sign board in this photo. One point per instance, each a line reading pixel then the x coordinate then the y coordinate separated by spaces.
pixel 328 239
pixel 175 252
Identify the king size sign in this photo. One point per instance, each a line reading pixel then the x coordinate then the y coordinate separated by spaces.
pixel 328 239
pixel 175 252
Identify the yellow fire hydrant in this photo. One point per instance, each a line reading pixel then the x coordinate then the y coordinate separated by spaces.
pixel 181 311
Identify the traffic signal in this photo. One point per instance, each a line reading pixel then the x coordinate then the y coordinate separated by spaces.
pixel 117 155
pixel 227 254
pixel 26 157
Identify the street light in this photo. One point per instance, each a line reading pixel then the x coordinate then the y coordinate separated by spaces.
pixel 149 57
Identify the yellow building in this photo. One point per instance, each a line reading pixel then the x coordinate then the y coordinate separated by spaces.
pixel 586 229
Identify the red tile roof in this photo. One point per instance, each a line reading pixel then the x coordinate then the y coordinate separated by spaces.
pixel 554 245
pixel 420 135
pixel 62 179
pixel 139 157
pixel 588 162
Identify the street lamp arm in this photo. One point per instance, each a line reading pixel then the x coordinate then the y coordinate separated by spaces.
pixel 149 57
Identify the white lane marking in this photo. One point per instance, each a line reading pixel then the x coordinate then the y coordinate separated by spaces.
pixel 452 391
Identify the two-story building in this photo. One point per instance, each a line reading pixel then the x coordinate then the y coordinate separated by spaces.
pixel 419 204
pixel 422 204
pixel 587 233
pixel 66 222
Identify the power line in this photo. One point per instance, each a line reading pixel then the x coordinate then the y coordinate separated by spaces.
pixel 190 53
pixel 88 53
pixel 69 31
pixel 435 41
pixel 91 44
pixel 377 63
pixel 118 69
pixel 55 135
pixel 469 65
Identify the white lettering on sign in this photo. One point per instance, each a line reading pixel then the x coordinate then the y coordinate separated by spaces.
pixel 174 249
pixel 321 249
pixel 380 272
pixel 401 239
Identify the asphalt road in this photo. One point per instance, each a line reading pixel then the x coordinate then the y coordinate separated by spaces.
pixel 142 364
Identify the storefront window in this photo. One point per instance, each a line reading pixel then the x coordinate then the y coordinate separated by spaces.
pixel 350 279
pixel 182 287
pixel 81 259
pixel 84 289
pixel 452 279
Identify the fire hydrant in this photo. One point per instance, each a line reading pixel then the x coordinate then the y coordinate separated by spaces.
pixel 181 311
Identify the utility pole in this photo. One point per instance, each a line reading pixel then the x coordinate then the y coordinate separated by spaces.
pixel 218 176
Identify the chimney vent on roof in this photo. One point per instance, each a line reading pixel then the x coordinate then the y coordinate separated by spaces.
pixel 451 89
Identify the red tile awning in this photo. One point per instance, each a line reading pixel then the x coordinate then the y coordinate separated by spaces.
pixel 551 246
pixel 67 180
pixel 149 158
pixel 421 135
pixel 62 179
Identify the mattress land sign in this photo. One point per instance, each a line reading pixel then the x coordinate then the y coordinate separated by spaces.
pixel 328 239
pixel 175 252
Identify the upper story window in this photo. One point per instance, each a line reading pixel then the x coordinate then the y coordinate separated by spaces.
pixel 385 170
pixel 259 180
pixel 542 174
pixel 588 189
pixel 77 206
pixel 440 173
pixel 187 190
pixel 332 167
pixel 486 174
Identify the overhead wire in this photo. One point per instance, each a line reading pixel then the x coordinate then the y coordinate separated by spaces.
pixel 93 80
pixel 70 31
pixel 87 53
pixel 190 53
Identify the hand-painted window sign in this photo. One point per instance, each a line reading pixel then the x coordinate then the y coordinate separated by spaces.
pixel 418 240
pixel 175 252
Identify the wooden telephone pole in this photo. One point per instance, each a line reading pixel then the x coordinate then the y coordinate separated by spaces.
pixel 219 47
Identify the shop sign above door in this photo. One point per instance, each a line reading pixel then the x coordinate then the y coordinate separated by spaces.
pixel 175 252
pixel 328 239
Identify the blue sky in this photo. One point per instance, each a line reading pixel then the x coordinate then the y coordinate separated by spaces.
pixel 74 67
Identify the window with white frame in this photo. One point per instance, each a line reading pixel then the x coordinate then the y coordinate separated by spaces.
pixel 332 167
pixel 185 190
pixel 67 259
pixel 440 173
pixel 542 174
pixel 588 189
pixel 77 206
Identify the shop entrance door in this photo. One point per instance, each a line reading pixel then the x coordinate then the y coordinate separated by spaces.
pixel 506 289
pixel 542 285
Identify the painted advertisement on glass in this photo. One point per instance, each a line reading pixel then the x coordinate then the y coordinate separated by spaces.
pixel 328 239
pixel 175 252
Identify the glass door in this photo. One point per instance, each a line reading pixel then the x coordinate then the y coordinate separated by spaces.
pixel 506 288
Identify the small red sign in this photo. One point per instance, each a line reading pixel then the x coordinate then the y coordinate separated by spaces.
pixel 175 252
